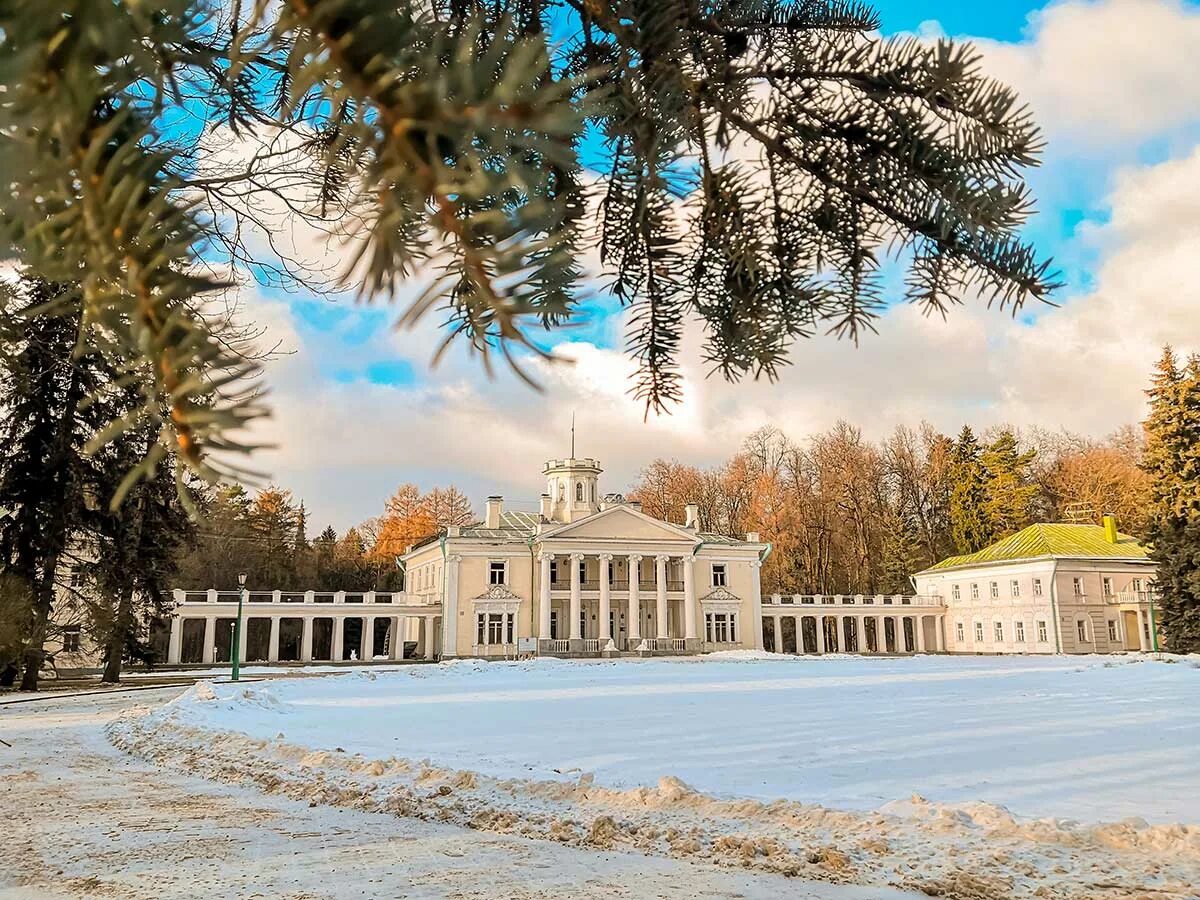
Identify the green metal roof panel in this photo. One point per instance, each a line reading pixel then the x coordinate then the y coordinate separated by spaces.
pixel 1050 540
pixel 513 525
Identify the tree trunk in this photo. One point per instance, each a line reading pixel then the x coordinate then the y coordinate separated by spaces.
pixel 35 651
pixel 118 638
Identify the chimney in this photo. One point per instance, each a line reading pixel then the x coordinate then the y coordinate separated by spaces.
pixel 752 537
pixel 691 516
pixel 1110 528
pixel 546 507
pixel 635 504
pixel 494 505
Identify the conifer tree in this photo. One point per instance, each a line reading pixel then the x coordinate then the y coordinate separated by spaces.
pixel 968 494
pixel 1011 489
pixel 1172 459
pixel 135 552
pixel 46 475
pixel 760 161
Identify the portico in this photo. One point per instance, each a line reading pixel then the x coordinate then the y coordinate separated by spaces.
pixel 597 601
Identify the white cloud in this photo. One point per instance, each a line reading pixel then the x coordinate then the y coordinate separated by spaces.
pixel 1102 72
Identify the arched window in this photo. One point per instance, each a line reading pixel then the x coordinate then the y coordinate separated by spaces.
pixel 579 491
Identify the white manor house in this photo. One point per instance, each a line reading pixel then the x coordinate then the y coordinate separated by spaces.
pixel 591 575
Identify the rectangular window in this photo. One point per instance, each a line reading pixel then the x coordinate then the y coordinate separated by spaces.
pixel 718 628
pixel 998 630
pixel 956 592
pixel 959 634
pixel 583 570
pixel 1014 588
pixel 974 592
pixel 1041 627
pixel 480 628
pixel 583 629
pixel 497 572
pixel 70 638
pixel 1037 587
pixel 994 590
pixel 497 628
pixel 554 624
pixel 1019 631
pixel 76 579
pixel 1077 584
pixel 718 575
pixel 979 632
pixel 1136 584
pixel 554 571
pixel 1112 630
pixel 1107 585
pixel 1081 630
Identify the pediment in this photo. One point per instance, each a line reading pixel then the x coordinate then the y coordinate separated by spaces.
pixel 621 523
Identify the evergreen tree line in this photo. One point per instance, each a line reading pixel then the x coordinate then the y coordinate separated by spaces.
pixel 1172 459
pixel 62 544
pixel 849 515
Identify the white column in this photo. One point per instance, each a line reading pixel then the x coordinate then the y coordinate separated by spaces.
pixel 939 637
pixel 633 627
pixel 660 596
pixel 368 637
pixel 431 640
pixel 756 601
pixel 605 599
pixel 880 635
pixel 306 639
pixel 176 641
pixel 1143 644
pixel 919 632
pixel 396 638
pixel 210 639
pixel 338 635
pixel 689 599
pixel 576 597
pixel 820 633
pixel 450 610
pixel 273 644
pixel 544 596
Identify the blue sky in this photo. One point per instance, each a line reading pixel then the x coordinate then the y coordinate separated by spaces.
pixel 359 411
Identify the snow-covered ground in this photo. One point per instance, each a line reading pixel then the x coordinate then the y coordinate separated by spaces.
pixel 905 772
pixel 84 821
pixel 1093 738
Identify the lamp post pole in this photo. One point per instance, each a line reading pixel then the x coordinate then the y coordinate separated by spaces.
pixel 236 652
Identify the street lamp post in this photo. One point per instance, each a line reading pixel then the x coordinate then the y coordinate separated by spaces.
pixel 236 651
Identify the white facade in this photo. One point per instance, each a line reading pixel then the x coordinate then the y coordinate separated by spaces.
pixel 1051 603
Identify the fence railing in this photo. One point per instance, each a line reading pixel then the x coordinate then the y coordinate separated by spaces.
pixel 830 600
pixel 553 646
pixel 189 598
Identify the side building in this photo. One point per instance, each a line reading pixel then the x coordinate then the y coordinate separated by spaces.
pixel 1049 588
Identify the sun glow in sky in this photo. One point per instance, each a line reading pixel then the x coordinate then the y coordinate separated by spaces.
pixel 358 410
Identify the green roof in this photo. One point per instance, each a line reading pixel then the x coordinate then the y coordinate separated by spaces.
pixel 1050 541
